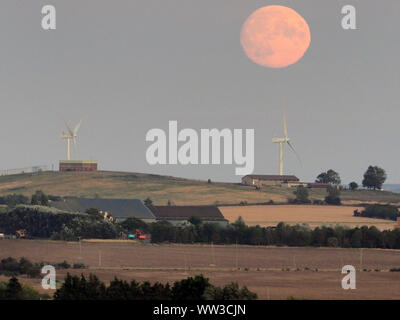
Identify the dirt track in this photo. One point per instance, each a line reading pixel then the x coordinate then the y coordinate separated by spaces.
pixel 313 272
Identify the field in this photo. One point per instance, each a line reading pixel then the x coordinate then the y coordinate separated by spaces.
pixel 271 215
pixel 272 272
pixel 160 189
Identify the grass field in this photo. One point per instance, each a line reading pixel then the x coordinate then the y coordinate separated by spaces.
pixel 272 272
pixel 160 189
pixel 271 215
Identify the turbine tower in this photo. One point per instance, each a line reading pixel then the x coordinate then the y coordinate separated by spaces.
pixel 71 136
pixel 282 141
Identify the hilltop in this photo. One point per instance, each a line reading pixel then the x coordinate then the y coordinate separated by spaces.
pixel 180 191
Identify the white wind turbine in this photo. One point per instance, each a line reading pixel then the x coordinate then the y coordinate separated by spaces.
pixel 282 141
pixel 71 136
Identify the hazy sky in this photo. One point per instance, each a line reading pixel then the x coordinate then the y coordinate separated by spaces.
pixel 128 66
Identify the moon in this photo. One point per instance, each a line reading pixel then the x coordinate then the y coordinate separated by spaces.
pixel 275 36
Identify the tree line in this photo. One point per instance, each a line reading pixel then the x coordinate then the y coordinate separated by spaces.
pixel 43 222
pixel 192 288
pixel 281 235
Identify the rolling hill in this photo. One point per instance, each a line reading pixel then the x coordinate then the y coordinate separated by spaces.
pixel 161 189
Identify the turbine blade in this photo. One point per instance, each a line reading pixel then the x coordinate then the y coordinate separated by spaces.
pixel 293 149
pixel 68 128
pixel 77 127
pixel 284 123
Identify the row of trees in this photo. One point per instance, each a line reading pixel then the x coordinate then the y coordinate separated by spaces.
pixel 45 222
pixel 374 178
pixel 10 266
pixel 192 288
pixel 38 198
pixel 282 234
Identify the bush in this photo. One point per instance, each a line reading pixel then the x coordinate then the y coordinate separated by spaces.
pixel 380 211
pixel 301 194
pixel 333 196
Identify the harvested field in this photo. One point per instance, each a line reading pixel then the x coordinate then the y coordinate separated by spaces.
pixel 271 215
pixel 272 272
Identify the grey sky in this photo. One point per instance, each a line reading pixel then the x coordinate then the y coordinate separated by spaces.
pixel 130 66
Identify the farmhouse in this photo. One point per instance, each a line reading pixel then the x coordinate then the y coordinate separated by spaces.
pixel 119 209
pixel 260 180
pixel 78 165
pixel 179 215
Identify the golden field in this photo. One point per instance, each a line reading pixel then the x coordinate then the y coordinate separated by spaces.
pixel 161 189
pixel 271 215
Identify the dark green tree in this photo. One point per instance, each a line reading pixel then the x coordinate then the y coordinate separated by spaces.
pixel 329 176
pixel 374 178
pixel 40 198
pixel 353 185
pixel 333 196
pixel 301 194
pixel 192 288
pixel 14 289
pixel 196 221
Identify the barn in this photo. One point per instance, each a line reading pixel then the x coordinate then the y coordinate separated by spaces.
pixel 260 180
pixel 119 209
pixel 78 165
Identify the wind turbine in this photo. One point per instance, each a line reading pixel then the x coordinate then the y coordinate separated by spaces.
pixel 282 141
pixel 71 136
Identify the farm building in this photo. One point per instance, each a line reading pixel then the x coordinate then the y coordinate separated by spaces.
pixel 179 215
pixel 271 180
pixel 78 165
pixel 119 209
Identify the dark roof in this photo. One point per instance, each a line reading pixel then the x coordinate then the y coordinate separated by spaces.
pixel 118 208
pixel 185 212
pixel 273 177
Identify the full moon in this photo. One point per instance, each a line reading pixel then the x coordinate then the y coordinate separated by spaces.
pixel 275 36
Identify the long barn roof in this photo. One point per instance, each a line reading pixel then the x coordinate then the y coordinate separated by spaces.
pixel 185 212
pixel 118 208
pixel 273 177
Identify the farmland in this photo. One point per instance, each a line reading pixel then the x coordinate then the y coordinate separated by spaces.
pixel 272 272
pixel 270 215
pixel 109 184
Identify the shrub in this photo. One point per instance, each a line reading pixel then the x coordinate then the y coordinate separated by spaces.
pixel 380 211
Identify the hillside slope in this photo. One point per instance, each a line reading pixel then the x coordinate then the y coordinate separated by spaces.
pixel 108 184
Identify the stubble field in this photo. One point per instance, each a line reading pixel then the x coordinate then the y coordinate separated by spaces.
pixel 272 272
pixel 314 216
